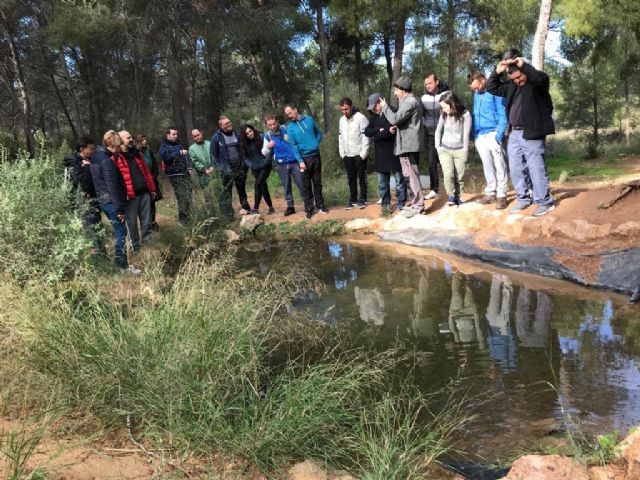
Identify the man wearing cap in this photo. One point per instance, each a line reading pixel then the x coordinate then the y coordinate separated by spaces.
pixel 353 147
pixel 386 163
pixel 409 141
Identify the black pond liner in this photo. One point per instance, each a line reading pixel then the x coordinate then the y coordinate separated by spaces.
pixel 473 471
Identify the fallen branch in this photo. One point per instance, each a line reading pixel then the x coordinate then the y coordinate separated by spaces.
pixel 626 189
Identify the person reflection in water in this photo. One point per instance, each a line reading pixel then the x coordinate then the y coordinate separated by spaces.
pixel 533 327
pixel 371 304
pixel 464 319
pixel 502 345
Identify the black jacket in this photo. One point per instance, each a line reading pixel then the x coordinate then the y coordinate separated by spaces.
pixel 108 181
pixel 81 176
pixel 537 107
pixel 383 144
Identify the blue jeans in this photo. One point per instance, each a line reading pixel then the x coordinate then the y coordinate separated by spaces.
pixel 528 171
pixel 286 171
pixel 385 190
pixel 119 232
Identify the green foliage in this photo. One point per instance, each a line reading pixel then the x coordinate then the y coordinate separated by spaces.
pixel 17 446
pixel 41 237
pixel 211 366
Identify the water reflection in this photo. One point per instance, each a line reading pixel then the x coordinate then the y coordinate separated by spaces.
pixel 492 334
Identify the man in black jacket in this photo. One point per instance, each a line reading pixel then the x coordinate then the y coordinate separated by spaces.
pixel 529 110
pixel 77 164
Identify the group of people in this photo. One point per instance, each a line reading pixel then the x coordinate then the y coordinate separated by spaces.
pixel 120 177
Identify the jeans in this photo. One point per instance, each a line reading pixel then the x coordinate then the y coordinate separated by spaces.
pixel 528 170
pixel 286 171
pixel 433 159
pixel 356 169
pixel 312 182
pixel 183 191
pixel 409 164
pixel 493 164
pixel 385 190
pixel 261 188
pixel 139 209
pixel 119 232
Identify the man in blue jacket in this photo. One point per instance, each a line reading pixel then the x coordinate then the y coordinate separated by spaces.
pixel 276 147
pixel 178 167
pixel 305 137
pixel 489 125
pixel 226 158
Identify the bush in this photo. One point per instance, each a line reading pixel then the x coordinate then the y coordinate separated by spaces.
pixel 40 236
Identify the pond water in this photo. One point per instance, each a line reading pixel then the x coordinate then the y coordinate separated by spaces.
pixel 505 335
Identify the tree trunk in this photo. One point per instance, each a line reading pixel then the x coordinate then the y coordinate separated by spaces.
pixel 386 41
pixel 358 60
pixel 255 63
pixel 398 50
pixel 75 110
pixel 627 101
pixel 322 43
pixel 595 102
pixel 25 106
pixel 451 42
pixel 537 51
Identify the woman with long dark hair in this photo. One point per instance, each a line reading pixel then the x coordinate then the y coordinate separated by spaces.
pixel 250 143
pixel 452 144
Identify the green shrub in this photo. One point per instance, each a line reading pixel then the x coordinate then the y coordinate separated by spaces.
pixel 40 235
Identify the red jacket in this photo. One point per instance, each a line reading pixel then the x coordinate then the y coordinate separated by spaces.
pixel 123 166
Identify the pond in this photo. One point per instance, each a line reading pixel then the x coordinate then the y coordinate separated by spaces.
pixel 507 335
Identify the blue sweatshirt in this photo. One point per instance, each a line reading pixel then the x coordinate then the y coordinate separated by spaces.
pixel 304 136
pixel 489 115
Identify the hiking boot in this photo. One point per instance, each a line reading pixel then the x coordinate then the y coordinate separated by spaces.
pixel 254 211
pixel 543 210
pixel 362 205
pixel 289 211
pixel 501 203
pixel 452 200
pixel 459 201
pixel 487 200
pixel 271 211
pixel 431 195
pixel 323 210
pixel 309 214
pixel 350 205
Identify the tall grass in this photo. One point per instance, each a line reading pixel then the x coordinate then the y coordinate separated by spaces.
pixel 213 366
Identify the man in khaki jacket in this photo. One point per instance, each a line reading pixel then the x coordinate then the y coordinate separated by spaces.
pixel 407 121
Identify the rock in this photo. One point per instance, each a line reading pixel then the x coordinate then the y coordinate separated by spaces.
pixel 307 470
pixel 632 455
pixel 622 447
pixel 588 231
pixel 242 211
pixel 358 224
pixel 231 236
pixel 627 229
pixel 397 222
pixel 566 229
pixel 547 467
pixel 610 472
pixel 250 222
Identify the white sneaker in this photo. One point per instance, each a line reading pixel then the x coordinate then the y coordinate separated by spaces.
pixel 379 202
pixel 132 270
pixel 431 195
